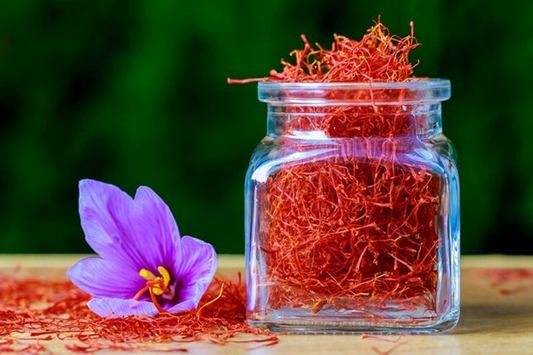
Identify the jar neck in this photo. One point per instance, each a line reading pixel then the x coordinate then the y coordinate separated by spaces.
pixel 354 110
pixel 354 121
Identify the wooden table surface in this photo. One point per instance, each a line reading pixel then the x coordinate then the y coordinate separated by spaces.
pixel 495 318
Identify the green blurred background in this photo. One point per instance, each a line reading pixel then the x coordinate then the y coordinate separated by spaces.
pixel 134 93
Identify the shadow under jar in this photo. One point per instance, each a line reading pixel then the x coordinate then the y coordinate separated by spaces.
pixel 352 210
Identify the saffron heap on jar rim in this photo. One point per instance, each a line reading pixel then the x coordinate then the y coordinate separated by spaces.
pixel 352 198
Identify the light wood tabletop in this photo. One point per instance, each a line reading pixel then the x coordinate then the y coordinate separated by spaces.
pixel 496 313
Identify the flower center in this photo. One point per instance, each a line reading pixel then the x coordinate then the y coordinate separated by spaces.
pixel 156 285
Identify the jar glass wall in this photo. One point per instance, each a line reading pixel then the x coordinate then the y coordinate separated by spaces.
pixel 352 210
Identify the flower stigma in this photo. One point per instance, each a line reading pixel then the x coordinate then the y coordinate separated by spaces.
pixel 156 285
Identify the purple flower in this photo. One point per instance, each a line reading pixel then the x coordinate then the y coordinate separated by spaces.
pixel 145 266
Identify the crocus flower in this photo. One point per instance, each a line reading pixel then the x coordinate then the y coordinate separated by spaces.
pixel 144 267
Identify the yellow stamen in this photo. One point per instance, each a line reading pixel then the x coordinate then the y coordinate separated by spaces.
pixel 147 275
pixel 165 274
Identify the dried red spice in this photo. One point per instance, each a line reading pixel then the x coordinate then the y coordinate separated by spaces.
pixel 34 311
pixel 509 281
pixel 386 352
pixel 377 57
pixel 386 340
pixel 365 232
pixel 355 229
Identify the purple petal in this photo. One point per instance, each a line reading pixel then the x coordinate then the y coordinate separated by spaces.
pixel 104 212
pixel 138 233
pixel 194 270
pixel 155 225
pixel 188 305
pixel 101 278
pixel 115 307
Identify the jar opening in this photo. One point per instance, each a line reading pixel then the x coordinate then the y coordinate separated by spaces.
pixel 414 91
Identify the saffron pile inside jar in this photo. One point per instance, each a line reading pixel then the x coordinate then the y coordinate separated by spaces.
pixel 356 230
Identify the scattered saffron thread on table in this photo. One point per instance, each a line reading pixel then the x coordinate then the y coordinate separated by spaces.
pixel 386 352
pixel 357 229
pixel 380 338
pixel 387 340
pixel 33 312
pixel 509 281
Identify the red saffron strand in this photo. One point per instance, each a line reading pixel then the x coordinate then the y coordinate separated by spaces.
pixel 391 242
pixel 509 281
pixel 386 352
pixel 377 57
pixel 380 338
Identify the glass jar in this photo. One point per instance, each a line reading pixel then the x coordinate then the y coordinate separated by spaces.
pixel 352 210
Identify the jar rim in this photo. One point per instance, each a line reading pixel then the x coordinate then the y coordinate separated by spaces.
pixel 415 90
